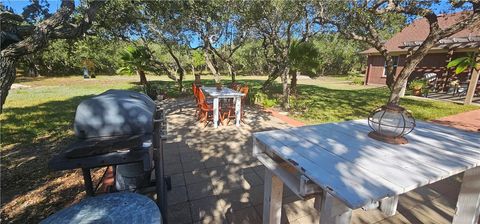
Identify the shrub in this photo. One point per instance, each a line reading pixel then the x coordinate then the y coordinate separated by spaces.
pixel 358 81
pixel 355 77
pixel 263 99
pixel 417 84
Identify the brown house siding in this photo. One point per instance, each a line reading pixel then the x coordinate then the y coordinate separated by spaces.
pixel 375 70
pixel 433 62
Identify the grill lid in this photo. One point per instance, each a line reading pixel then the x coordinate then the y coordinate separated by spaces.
pixel 114 113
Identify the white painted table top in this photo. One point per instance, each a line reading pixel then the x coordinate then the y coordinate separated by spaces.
pixel 358 170
pixel 224 92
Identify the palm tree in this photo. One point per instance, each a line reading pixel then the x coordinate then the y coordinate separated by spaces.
pixel 136 60
pixel 303 57
pixel 463 63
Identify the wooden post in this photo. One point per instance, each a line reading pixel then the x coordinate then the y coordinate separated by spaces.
pixel 332 210
pixel 272 198
pixel 472 86
pixel 389 205
pixel 468 204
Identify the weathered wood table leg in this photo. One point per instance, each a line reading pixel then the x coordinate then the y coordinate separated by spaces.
pixel 389 205
pixel 468 204
pixel 332 210
pixel 272 198
pixel 215 112
pixel 87 179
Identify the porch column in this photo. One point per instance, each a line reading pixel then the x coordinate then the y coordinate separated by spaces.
pixel 472 85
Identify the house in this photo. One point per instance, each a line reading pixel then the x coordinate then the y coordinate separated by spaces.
pixel 435 61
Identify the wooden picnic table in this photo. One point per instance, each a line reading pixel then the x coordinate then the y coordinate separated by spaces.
pixel 224 93
pixel 344 169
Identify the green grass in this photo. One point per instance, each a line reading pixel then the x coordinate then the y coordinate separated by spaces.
pixel 37 123
pixel 46 109
pixel 316 104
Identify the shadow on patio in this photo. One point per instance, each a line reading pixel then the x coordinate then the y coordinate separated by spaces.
pixel 216 179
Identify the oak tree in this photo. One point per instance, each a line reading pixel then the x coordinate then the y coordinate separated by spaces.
pixel 18 39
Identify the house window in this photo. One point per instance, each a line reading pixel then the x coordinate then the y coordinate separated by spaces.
pixel 395 64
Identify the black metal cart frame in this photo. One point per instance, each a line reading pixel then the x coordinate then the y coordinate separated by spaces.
pixel 146 154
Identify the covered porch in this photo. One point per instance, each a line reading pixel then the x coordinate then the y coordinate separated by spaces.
pixel 446 84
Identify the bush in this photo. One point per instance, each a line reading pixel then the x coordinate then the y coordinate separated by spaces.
pixel 355 77
pixel 263 99
pixel 417 84
pixel 358 81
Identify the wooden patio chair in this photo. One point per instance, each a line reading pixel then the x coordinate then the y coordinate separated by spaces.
pixel 230 109
pixel 206 109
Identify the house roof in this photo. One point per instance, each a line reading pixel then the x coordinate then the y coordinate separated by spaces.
pixel 418 30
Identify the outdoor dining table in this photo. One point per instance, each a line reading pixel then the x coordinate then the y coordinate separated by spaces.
pixel 344 169
pixel 224 93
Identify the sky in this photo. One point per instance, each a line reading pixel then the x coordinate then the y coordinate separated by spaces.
pixel 18 5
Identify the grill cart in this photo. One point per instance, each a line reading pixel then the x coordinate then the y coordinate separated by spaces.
pixel 124 130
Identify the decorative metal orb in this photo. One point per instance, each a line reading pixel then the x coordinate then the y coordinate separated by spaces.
pixel 390 123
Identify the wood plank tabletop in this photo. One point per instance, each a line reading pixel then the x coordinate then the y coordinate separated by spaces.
pixel 358 170
pixel 224 92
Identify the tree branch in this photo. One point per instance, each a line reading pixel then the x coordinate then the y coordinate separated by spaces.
pixel 47 29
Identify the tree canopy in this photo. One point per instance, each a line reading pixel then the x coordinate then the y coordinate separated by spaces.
pixel 279 39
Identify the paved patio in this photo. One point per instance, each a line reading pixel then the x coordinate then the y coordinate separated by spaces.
pixel 216 179
pixel 469 121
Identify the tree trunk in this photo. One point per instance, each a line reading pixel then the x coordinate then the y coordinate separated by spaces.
pixel 32 67
pixel 285 89
pixel 411 63
pixel 389 72
pixel 8 74
pixel 179 65
pixel 232 73
pixel 211 66
pixel 271 78
pixel 143 78
pixel 180 80
pixel 293 83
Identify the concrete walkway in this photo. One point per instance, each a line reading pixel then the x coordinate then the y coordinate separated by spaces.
pixel 217 180
pixel 469 121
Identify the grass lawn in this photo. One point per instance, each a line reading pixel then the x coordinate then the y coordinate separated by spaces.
pixel 37 122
